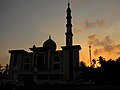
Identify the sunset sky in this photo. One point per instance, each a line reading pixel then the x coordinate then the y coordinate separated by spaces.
pixel 24 23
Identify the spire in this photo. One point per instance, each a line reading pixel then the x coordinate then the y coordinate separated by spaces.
pixel 68 9
pixel 69 27
pixel 68 4
pixel 49 36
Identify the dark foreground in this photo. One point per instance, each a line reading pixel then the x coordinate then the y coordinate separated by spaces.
pixel 63 87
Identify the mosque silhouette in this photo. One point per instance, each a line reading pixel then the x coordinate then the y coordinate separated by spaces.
pixel 46 64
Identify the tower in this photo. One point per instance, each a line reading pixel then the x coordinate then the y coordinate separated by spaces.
pixel 70 51
pixel 90 55
pixel 69 27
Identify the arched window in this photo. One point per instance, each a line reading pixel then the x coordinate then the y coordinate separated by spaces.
pixel 40 61
pixel 56 63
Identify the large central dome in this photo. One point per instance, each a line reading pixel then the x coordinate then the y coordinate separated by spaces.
pixel 50 44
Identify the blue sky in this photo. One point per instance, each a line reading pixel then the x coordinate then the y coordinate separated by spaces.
pixel 24 23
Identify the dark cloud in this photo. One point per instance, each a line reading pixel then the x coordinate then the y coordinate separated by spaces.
pixel 103 45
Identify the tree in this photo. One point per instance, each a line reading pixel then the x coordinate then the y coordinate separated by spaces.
pixel 102 61
pixel 82 64
pixel 6 69
pixel 1 69
pixel 94 63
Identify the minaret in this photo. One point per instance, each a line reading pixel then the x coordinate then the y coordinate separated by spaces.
pixel 70 52
pixel 69 27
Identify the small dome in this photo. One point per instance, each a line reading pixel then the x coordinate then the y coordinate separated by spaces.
pixel 50 44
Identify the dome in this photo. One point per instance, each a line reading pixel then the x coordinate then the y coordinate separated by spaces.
pixel 50 44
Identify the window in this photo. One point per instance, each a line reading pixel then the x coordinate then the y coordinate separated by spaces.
pixel 26 63
pixel 15 60
pixel 56 63
pixel 40 61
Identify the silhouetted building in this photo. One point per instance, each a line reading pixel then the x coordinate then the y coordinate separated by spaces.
pixel 46 63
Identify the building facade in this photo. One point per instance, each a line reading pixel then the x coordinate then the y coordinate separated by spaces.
pixel 46 63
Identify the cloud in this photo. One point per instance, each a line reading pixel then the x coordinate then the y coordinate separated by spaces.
pixel 118 53
pixel 95 41
pixel 103 45
pixel 88 23
pixel 79 27
pixel 100 22
pixel 111 49
pixel 77 30
pixel 92 39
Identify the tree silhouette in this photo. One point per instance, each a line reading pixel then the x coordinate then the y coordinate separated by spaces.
pixel 102 61
pixel 107 73
pixel 93 63
pixel 6 69
pixel 1 69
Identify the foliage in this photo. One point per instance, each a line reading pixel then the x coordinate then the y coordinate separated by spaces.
pixel 107 73
pixel 4 69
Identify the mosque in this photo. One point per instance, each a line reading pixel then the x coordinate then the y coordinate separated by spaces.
pixel 45 63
